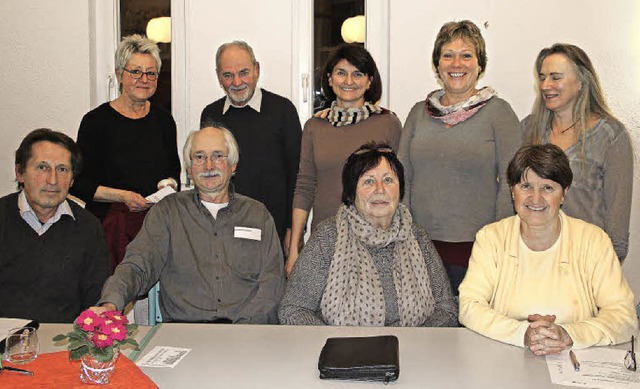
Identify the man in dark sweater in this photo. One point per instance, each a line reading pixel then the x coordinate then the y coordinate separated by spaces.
pixel 54 259
pixel 267 129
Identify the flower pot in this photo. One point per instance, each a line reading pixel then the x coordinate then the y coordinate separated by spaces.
pixel 93 371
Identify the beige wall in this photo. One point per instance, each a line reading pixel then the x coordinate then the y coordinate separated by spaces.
pixel 44 72
pixel 210 24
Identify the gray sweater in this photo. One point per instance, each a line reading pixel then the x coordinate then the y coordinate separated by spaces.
pixel 602 184
pixel 301 302
pixel 455 177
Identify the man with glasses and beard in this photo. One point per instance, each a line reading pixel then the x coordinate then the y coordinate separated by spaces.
pixel 267 129
pixel 215 252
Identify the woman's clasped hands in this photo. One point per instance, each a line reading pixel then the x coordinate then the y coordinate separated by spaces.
pixel 544 336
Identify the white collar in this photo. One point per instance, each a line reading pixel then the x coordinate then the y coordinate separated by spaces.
pixel 254 102
pixel 63 209
pixel 30 217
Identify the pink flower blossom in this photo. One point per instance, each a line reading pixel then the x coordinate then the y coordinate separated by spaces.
pixel 116 332
pixel 116 316
pixel 102 340
pixel 89 320
pixel 104 331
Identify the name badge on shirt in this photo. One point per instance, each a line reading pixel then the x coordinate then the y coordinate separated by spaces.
pixel 247 233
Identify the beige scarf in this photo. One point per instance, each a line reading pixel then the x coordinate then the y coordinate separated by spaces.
pixel 353 295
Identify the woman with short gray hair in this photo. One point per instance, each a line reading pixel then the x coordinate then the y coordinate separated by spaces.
pixel 129 147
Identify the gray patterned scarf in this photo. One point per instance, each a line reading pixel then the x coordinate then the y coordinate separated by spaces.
pixel 346 116
pixel 353 295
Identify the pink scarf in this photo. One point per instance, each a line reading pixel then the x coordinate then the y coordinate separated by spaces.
pixel 457 113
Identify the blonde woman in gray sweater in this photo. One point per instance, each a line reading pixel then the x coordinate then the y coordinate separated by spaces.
pixel 571 113
pixel 455 148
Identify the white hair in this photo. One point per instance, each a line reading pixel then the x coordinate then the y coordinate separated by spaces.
pixel 234 152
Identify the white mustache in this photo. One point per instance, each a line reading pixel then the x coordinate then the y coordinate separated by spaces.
pixel 238 88
pixel 210 173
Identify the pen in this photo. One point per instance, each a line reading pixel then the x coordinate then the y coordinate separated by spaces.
pixel 8 368
pixel 574 360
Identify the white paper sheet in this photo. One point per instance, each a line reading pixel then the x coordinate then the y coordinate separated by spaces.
pixel 8 323
pixel 599 368
pixel 163 356
pixel 159 195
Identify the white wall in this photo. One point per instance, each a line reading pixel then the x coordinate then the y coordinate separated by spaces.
pixel 266 26
pixel 44 72
pixel 514 36
pixel 609 31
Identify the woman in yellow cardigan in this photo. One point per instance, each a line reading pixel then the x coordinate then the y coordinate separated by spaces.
pixel 541 279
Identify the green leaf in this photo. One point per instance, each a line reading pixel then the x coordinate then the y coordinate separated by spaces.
pixel 76 336
pixel 130 341
pixel 60 337
pixel 103 354
pixel 98 354
pixel 76 344
pixel 76 354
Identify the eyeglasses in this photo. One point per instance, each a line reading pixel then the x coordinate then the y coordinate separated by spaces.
pixel 201 159
pixel 630 358
pixel 137 74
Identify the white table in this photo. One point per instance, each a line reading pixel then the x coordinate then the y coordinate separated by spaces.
pixel 250 356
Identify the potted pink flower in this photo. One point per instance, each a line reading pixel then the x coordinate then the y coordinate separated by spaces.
pixel 95 340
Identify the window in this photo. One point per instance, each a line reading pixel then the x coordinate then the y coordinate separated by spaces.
pixel 329 16
pixel 134 18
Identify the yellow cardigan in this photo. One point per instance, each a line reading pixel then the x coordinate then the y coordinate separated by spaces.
pixel 604 312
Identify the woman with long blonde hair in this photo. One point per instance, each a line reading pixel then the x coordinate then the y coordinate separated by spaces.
pixel 571 113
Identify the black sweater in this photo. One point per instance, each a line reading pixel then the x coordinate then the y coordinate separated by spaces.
pixel 269 143
pixel 53 277
pixel 124 153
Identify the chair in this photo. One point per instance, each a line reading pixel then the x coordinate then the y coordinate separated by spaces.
pixel 155 315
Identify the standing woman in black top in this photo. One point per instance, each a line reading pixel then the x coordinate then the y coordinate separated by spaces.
pixel 129 147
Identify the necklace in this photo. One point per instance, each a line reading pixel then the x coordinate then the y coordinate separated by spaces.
pixel 568 128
